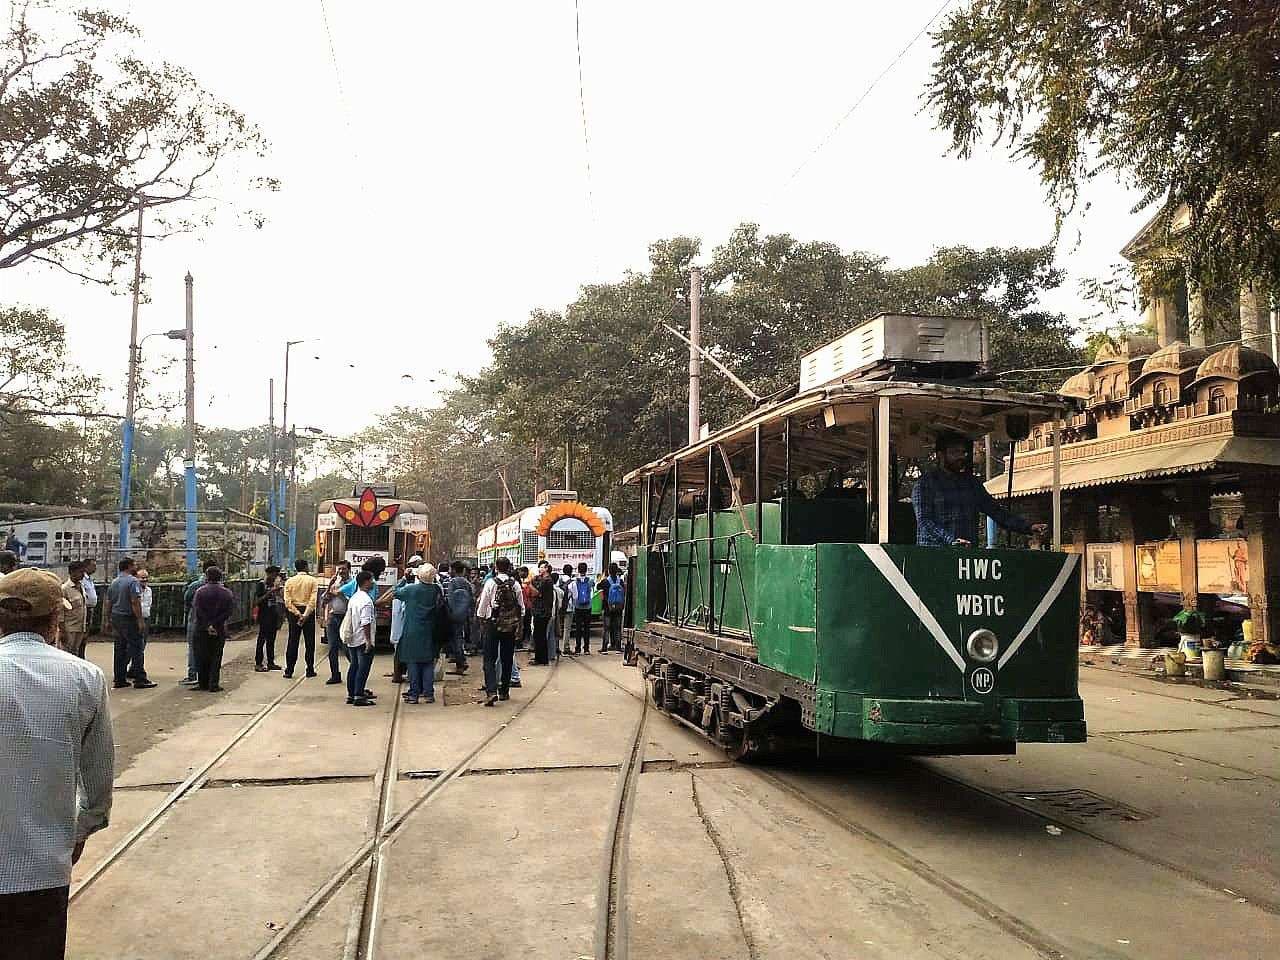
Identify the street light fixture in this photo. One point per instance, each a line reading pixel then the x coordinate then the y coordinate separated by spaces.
pixel 131 390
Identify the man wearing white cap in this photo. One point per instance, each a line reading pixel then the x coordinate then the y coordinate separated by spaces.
pixel 55 733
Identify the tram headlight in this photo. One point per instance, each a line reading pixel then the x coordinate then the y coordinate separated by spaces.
pixel 982 645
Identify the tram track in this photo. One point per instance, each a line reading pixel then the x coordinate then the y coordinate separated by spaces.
pixel 194 781
pixel 1040 942
pixel 362 931
pixel 611 932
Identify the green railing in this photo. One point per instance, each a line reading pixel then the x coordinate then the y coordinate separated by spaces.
pixel 168 612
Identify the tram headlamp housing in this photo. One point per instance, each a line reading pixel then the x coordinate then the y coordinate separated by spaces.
pixel 982 646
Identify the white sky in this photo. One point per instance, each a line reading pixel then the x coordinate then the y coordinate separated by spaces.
pixel 447 191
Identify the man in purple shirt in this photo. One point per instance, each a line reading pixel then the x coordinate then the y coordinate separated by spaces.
pixel 212 607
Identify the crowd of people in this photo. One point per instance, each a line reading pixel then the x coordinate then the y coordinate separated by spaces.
pixel 55 725
pixel 436 615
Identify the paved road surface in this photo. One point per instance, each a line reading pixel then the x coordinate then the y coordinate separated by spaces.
pixel 1155 839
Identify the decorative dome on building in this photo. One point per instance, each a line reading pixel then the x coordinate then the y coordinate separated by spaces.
pixel 1131 347
pixel 1235 362
pixel 1079 385
pixel 1175 358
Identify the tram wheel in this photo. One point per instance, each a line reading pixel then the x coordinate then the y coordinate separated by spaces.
pixel 737 743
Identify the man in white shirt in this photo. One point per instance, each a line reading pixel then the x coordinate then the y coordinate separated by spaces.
pixel 90 592
pixel 144 584
pixel 55 735
pixel 501 611
pixel 360 644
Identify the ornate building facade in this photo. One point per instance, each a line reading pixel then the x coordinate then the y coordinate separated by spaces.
pixel 1171 482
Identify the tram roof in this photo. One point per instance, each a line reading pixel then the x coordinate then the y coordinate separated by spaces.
pixel 408 506
pixel 968 410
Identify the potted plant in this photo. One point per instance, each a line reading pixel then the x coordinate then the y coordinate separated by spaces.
pixel 1213 655
pixel 1190 623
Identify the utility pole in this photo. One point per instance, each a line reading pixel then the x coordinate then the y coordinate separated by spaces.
pixel 568 464
pixel 131 398
pixel 292 503
pixel 695 354
pixel 189 461
pixel 293 457
pixel 273 548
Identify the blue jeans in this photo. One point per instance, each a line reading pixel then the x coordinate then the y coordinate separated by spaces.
pixel 333 637
pixel 457 643
pixel 422 678
pixel 191 645
pixel 129 646
pixel 358 673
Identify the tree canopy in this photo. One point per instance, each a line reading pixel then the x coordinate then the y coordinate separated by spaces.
pixel 1180 99
pixel 604 374
pixel 90 132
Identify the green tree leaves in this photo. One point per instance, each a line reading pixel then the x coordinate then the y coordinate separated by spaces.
pixel 606 376
pixel 88 132
pixel 1178 98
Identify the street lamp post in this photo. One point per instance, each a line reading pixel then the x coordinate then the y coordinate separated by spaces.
pixel 293 459
pixel 189 461
pixel 126 429
pixel 313 434
pixel 131 406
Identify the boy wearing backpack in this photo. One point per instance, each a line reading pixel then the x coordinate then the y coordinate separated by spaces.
pixel 580 590
pixel 614 599
pixel 461 602
pixel 501 610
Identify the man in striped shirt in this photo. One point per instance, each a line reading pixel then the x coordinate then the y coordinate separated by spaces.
pixel 55 734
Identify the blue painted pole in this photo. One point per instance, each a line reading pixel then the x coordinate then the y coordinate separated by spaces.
pixel 274 547
pixel 189 461
pixel 193 559
pixel 131 395
pixel 126 478
pixel 287 561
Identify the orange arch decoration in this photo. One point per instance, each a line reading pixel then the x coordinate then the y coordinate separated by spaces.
pixel 570 508
pixel 367 513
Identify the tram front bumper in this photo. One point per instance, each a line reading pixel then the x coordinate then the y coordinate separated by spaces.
pixel 951 723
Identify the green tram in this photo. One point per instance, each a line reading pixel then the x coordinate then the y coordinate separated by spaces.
pixel 766 619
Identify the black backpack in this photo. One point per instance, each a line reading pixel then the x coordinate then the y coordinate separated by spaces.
pixel 506 606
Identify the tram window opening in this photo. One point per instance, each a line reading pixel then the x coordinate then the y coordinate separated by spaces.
pixel 365 538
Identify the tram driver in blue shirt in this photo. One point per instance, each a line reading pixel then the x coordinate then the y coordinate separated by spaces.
pixel 948 498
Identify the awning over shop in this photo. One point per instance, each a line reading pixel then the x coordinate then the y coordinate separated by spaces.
pixel 1165 460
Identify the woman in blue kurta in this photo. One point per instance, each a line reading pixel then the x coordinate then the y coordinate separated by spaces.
pixel 418 641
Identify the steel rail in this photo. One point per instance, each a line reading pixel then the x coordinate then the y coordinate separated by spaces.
pixel 611 936
pixel 360 929
pixel 1043 944
pixel 378 844
pixel 193 782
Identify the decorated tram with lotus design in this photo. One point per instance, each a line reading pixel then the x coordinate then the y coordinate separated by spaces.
pixel 372 522
pixel 778 590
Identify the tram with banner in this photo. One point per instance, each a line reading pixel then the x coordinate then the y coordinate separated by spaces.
pixel 559 529
pixel 372 522
pixel 779 592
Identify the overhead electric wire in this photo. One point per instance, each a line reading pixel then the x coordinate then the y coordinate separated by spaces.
pixel 333 55
pixel 865 93
pixel 586 135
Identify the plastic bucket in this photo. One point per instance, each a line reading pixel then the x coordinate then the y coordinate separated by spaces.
pixel 1190 645
pixel 1215 666
pixel 1175 664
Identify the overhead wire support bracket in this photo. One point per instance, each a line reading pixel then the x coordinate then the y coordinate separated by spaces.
pixel 751 394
